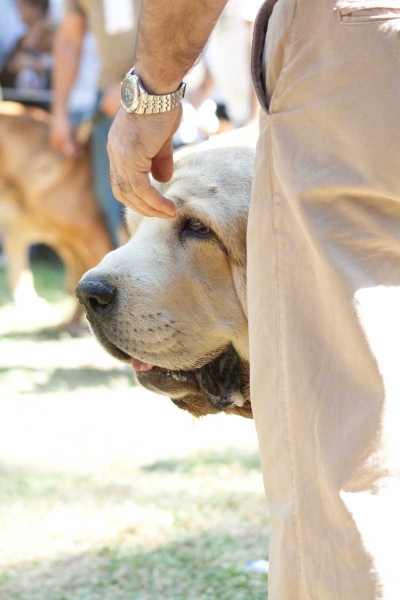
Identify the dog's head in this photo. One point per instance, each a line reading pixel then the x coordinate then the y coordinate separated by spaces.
pixel 172 301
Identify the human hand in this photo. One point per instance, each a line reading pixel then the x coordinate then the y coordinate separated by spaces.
pixel 138 145
pixel 61 137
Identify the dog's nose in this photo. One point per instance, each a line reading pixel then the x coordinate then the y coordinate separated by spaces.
pixel 96 294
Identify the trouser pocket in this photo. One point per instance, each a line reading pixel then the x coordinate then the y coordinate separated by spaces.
pixel 257 52
pixel 355 13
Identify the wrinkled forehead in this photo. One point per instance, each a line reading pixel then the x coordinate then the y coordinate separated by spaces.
pixel 185 203
pixel 190 188
pixel 188 202
pixel 206 182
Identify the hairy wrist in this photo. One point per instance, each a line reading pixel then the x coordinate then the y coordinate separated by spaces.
pixel 156 83
pixel 171 37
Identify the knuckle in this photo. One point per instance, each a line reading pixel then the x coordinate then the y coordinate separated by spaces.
pixel 120 184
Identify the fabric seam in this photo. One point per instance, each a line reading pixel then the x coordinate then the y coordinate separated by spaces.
pixel 281 355
pixel 280 317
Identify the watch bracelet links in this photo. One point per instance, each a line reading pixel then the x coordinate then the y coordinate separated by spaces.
pixel 155 104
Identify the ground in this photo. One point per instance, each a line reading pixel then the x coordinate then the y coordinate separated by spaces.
pixel 108 492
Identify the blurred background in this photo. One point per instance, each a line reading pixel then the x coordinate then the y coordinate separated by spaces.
pixel 106 490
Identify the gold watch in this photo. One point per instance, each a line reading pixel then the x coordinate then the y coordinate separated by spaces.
pixel 135 99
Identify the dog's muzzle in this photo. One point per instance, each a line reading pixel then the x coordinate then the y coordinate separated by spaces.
pixel 218 384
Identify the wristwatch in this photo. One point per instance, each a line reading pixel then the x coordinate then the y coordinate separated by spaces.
pixel 135 99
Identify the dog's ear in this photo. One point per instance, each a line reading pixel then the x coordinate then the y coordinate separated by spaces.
pixel 240 281
pixel 233 234
pixel 229 214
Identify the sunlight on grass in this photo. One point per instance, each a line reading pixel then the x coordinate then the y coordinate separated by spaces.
pixel 49 285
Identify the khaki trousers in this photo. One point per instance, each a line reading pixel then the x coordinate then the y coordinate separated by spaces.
pixel 324 296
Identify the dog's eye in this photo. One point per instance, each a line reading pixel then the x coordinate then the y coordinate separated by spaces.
pixel 195 228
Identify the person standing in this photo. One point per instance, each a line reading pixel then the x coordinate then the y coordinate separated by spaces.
pixel 227 57
pixel 28 65
pixel 113 23
pixel 12 30
pixel 323 269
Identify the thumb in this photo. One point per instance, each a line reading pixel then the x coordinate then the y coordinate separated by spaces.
pixel 162 165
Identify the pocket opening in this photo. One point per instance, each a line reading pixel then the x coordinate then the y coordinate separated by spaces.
pixel 368 12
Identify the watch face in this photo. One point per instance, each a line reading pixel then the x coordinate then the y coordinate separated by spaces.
pixel 129 94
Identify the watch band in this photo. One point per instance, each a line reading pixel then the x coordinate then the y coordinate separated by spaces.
pixel 149 103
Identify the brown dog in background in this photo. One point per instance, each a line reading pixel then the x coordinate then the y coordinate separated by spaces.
pixel 45 198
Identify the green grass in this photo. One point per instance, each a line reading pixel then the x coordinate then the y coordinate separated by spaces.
pixel 108 492
pixel 188 536
pixel 49 283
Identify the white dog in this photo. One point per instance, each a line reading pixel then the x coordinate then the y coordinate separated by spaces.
pixel 172 301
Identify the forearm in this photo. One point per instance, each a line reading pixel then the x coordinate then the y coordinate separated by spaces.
pixel 67 56
pixel 66 65
pixel 171 36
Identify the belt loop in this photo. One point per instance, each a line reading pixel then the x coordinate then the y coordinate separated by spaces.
pixel 257 52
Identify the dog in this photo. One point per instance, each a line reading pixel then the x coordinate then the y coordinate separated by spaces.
pixel 45 198
pixel 172 301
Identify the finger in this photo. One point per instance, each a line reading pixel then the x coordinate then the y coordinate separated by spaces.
pixel 123 192
pixel 131 178
pixel 142 187
pixel 136 188
pixel 151 213
pixel 138 205
pixel 162 165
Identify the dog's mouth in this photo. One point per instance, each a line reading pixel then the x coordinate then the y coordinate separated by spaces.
pixel 216 385
pixel 139 367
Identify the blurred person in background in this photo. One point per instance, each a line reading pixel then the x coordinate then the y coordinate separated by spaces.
pixel 113 25
pixel 11 29
pixel 28 64
pixel 227 58
pixel 83 96
pixel 220 93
